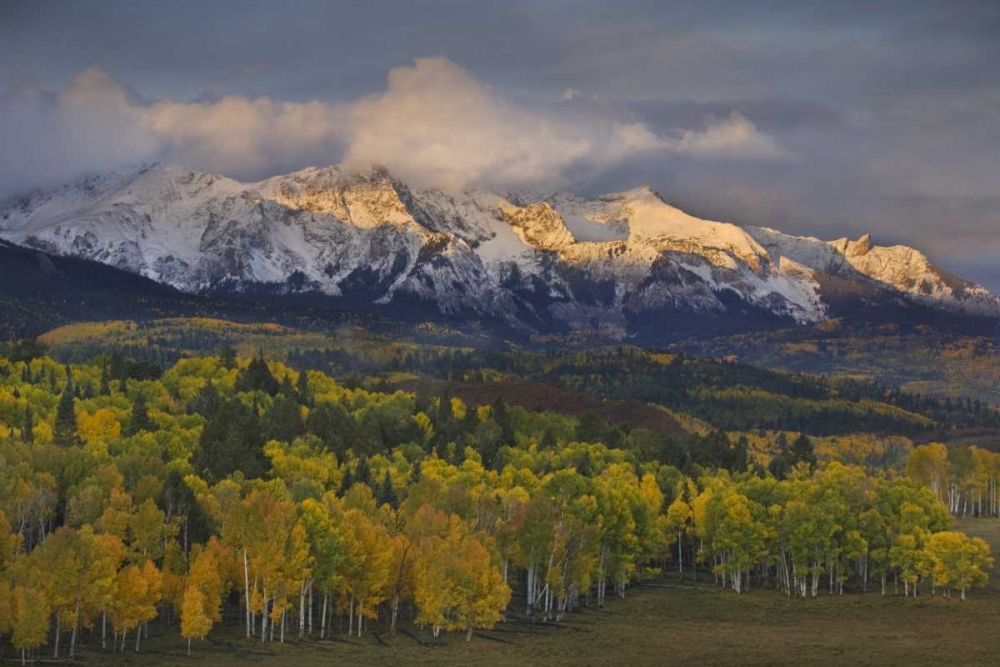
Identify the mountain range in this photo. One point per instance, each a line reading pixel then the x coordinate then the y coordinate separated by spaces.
pixel 619 265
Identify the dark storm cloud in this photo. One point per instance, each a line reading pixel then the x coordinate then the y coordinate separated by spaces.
pixel 826 118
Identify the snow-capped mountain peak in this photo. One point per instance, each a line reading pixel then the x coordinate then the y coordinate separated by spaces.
pixel 535 260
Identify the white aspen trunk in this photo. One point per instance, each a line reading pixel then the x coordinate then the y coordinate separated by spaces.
pixel 992 501
pixel 322 620
pixel 253 616
pixel 246 589
pixel 302 609
pixel 601 583
pixel 350 622
pixel 548 578
pixel 263 618
pixel 530 586
pixel 680 553
pixel 329 623
pixel 55 648
pixel 76 624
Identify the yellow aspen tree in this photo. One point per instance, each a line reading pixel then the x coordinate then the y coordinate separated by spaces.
pixel 58 564
pixel 98 427
pixel 195 620
pixel 368 567
pixel 958 561
pixel 401 569
pixel 457 587
pixel 138 589
pixel 110 552
pixel 10 542
pixel 928 464
pixel 117 515
pixel 6 607
pixel 148 530
pixel 678 521
pixel 207 576
pixel 30 619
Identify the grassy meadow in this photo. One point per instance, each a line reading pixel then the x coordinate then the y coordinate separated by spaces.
pixel 662 622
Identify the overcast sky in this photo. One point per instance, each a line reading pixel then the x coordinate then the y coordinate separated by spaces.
pixel 827 118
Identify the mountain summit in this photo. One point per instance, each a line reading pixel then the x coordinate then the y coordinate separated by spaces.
pixel 618 263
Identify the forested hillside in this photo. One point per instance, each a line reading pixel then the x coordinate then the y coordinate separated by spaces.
pixel 723 392
pixel 229 491
pixel 944 360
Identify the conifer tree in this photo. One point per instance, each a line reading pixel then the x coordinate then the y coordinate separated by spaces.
pixel 362 475
pixel 387 493
pixel 140 420
pixel 64 430
pixel 302 388
pixel 227 356
pixel 28 430
pixel 105 378
pixel 257 377
pixel 283 422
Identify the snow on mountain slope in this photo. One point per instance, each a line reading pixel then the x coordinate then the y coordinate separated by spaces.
pixel 898 268
pixel 651 233
pixel 532 260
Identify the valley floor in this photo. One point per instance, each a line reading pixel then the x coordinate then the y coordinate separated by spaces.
pixel 665 622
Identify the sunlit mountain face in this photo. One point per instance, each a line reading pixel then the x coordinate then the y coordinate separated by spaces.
pixel 615 264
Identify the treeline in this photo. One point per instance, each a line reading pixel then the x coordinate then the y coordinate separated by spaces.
pixel 966 479
pixel 237 489
pixel 730 395
pixel 835 528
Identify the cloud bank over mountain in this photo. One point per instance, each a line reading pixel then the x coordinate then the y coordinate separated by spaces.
pixel 435 125
pixel 816 117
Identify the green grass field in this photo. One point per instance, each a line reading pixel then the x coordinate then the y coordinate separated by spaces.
pixel 663 622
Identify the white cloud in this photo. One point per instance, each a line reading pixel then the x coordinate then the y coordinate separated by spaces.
pixel 236 135
pixel 434 125
pixel 732 137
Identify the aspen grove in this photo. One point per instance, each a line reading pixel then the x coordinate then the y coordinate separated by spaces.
pixel 241 491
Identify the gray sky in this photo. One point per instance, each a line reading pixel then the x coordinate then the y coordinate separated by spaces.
pixel 828 118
